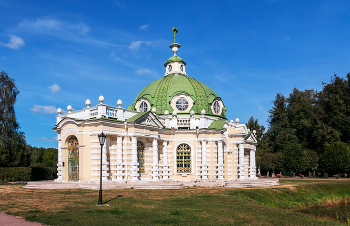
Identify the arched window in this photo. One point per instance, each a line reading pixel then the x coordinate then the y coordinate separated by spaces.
pixel 73 159
pixel 141 156
pixel 183 158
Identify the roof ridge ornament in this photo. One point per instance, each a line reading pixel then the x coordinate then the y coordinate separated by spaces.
pixel 174 46
pixel 175 31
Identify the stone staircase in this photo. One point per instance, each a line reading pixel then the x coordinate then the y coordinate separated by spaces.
pixel 252 183
pixel 158 186
pixel 151 185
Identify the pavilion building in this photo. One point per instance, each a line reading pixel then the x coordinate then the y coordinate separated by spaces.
pixel 176 129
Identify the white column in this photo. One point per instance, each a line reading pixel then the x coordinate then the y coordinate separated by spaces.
pixel 165 160
pixel 252 164
pixel 220 160
pixel 119 158
pixel 104 162
pixel 241 161
pixel 134 163
pixel 155 160
pixel 204 160
pixel 59 162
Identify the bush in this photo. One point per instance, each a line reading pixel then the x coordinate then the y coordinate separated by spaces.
pixel 42 173
pixel 15 173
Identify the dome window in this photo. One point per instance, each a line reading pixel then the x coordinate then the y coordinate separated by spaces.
pixel 143 106
pixel 216 107
pixel 182 104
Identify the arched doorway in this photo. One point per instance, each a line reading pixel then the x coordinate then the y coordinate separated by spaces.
pixel 183 158
pixel 141 156
pixel 73 159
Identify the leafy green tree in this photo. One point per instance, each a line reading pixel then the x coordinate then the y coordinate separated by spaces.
pixel 294 158
pixel 334 102
pixel 268 161
pixel 50 156
pixel 336 157
pixel 253 124
pixel 311 160
pixel 300 115
pixel 12 141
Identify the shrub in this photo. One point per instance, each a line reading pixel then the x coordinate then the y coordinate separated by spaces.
pixel 15 173
pixel 42 173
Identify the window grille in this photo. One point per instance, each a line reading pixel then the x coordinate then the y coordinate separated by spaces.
pixel 183 158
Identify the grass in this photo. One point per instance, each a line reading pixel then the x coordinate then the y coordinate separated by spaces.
pixel 192 206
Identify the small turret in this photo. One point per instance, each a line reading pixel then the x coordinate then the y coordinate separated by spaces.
pixel 175 64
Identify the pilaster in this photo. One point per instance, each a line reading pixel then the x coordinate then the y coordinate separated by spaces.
pixel 220 160
pixel 59 162
pixel 134 163
pixel 165 160
pixel 155 159
pixel 120 167
pixel 241 161
pixel 204 160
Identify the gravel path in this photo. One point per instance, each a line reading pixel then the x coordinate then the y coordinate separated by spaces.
pixel 8 220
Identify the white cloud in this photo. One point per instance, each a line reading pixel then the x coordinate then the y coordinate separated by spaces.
pixel 143 27
pixel 136 45
pixel 143 71
pixel 47 25
pixel 15 42
pixel 286 38
pixel 44 109
pixel 3 58
pixel 48 140
pixel 55 88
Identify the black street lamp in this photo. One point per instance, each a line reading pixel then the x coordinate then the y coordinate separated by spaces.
pixel 102 139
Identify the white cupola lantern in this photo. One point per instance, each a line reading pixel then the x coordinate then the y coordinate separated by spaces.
pixel 175 65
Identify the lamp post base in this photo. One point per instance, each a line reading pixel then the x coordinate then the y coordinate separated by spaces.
pixel 100 197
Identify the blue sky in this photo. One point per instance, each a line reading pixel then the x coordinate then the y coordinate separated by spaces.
pixel 63 52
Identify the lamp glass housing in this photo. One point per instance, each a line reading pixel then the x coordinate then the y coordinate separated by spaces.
pixel 102 138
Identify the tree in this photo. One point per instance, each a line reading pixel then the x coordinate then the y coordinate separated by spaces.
pixel 268 161
pixel 336 157
pixel 254 125
pixel 334 101
pixel 311 160
pixel 294 158
pixel 50 156
pixel 12 141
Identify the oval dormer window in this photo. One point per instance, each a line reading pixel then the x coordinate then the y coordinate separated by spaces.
pixel 216 107
pixel 143 106
pixel 170 67
pixel 181 104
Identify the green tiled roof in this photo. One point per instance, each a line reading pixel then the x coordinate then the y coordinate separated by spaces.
pixel 160 92
pixel 137 116
pixel 217 125
pixel 174 59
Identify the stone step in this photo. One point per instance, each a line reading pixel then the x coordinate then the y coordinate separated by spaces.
pixel 160 186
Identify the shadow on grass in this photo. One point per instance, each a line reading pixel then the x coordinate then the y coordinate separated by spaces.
pixel 118 196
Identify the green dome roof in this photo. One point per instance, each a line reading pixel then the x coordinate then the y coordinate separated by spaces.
pixel 160 92
pixel 174 59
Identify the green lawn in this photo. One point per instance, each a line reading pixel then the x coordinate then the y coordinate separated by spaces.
pixel 192 206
